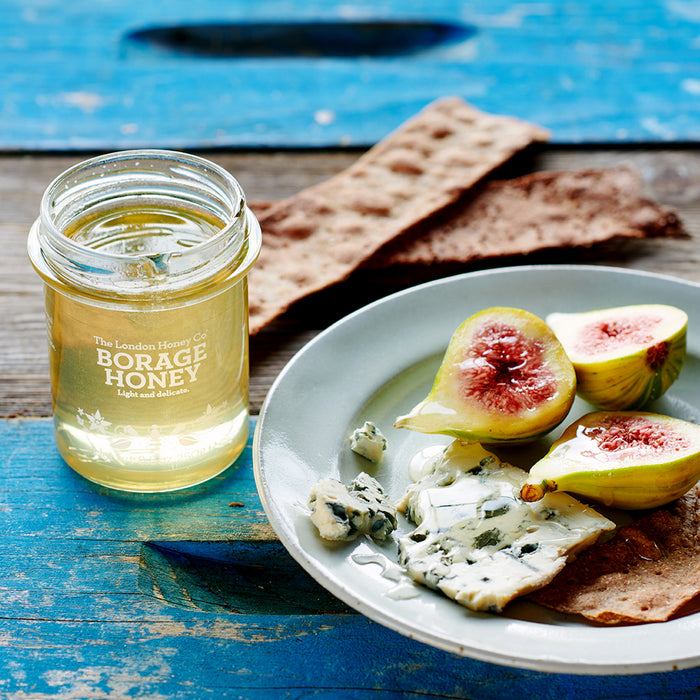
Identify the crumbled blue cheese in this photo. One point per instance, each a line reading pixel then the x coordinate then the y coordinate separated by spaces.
pixel 368 442
pixel 343 513
pixel 477 541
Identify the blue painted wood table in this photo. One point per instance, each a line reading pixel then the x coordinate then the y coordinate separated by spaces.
pixel 190 595
pixel 106 595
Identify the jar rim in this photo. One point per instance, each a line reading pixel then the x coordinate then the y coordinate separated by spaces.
pixel 78 264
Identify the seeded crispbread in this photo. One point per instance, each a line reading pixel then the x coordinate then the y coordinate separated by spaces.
pixel 536 212
pixel 647 572
pixel 320 235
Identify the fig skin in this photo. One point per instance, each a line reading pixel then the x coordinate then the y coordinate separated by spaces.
pixel 630 460
pixel 626 356
pixel 504 378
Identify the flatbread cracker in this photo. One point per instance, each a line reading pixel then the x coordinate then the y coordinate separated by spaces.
pixel 320 235
pixel 536 212
pixel 647 572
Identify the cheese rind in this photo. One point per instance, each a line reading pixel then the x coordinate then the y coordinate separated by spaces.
pixel 477 541
pixel 342 513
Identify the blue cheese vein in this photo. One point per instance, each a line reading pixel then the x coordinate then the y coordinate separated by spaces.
pixel 477 541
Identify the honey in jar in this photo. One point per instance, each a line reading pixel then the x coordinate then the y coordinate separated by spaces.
pixel 144 256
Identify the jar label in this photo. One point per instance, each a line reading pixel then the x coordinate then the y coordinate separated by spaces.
pixel 151 370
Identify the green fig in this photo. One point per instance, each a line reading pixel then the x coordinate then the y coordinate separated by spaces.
pixel 624 459
pixel 505 378
pixel 624 357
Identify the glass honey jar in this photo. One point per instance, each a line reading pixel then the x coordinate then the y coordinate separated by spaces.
pixel 144 257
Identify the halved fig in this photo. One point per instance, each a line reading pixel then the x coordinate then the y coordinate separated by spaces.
pixel 624 357
pixel 623 459
pixel 504 378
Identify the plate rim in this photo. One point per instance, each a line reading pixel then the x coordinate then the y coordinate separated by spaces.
pixel 376 614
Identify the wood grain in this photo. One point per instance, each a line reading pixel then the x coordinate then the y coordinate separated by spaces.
pixel 671 176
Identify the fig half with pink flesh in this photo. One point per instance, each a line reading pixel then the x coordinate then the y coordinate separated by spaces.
pixel 505 378
pixel 623 459
pixel 624 357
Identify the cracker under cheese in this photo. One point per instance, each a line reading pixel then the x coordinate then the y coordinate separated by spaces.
pixel 648 572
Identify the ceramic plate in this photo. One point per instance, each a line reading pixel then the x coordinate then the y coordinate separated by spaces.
pixel 375 365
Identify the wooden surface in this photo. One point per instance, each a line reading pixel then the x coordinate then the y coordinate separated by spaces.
pixel 113 74
pixel 191 595
pixel 671 176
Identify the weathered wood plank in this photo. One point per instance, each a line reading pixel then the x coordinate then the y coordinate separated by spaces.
pixel 672 177
pixel 347 658
pixel 104 596
pixel 592 71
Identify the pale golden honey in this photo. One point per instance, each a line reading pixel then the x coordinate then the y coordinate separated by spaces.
pixel 149 395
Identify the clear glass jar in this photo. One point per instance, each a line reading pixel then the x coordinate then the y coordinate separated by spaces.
pixel 144 255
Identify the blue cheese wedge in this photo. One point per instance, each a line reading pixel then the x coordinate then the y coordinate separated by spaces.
pixel 344 513
pixel 477 541
pixel 368 442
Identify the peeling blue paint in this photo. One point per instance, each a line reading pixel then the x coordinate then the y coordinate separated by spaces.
pixel 79 75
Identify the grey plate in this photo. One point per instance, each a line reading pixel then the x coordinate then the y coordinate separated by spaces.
pixel 376 364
